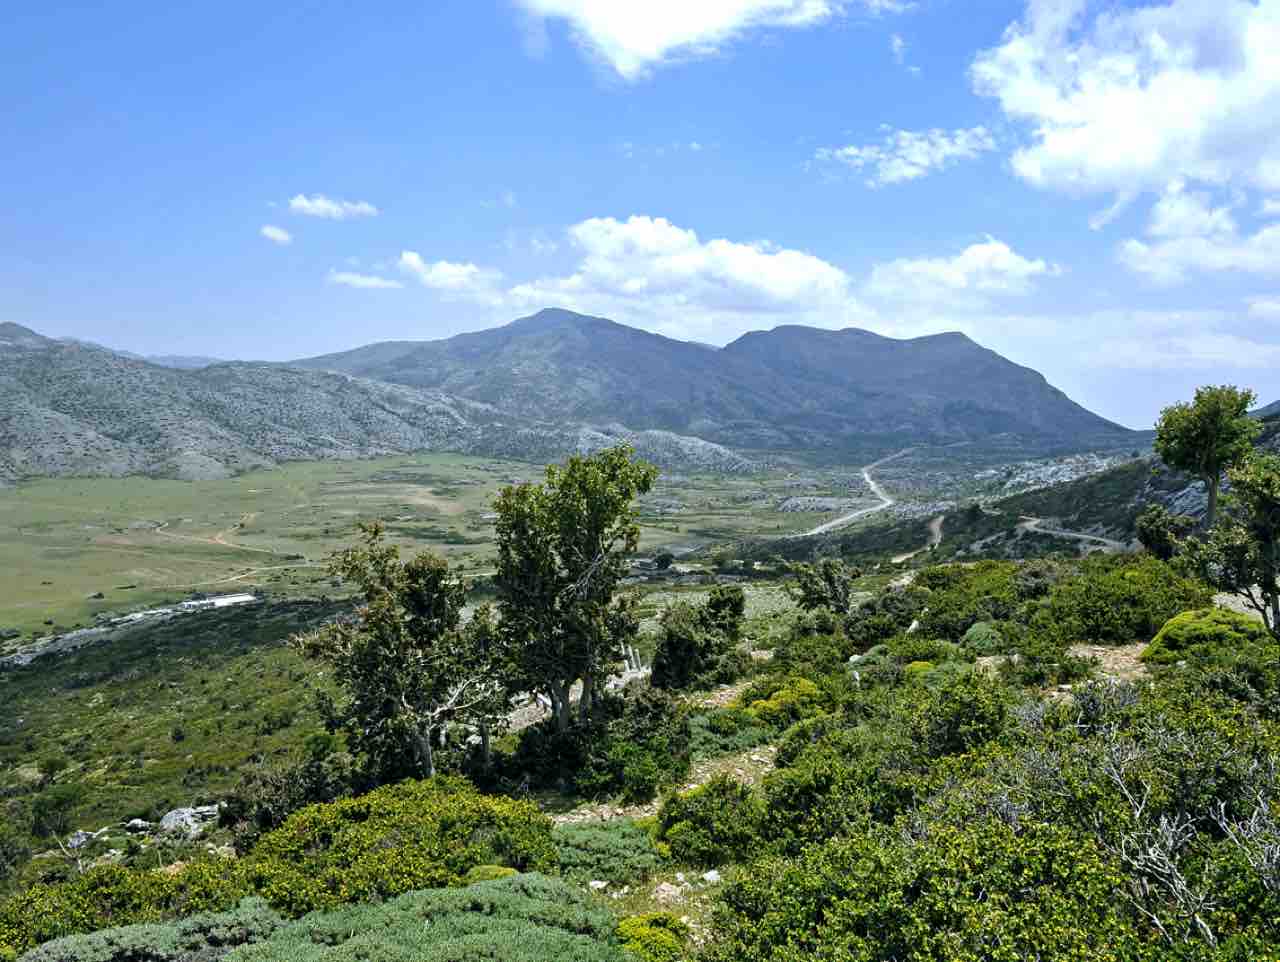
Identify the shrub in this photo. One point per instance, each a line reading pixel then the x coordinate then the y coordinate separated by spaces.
pixel 721 731
pixel 712 824
pixel 525 918
pixel 1205 632
pixel 916 647
pixel 636 744
pixel 201 936
pixel 1119 601
pixel 959 716
pixel 789 699
pixel 980 892
pixel 617 851
pixel 112 895
pixel 985 638
pixel 655 937
pixel 414 835
pixel 961 598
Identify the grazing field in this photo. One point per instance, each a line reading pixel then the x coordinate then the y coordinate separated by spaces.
pixel 74 549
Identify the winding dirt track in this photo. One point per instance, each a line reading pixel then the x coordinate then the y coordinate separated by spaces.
pixel 1037 525
pixel 885 500
pixel 935 539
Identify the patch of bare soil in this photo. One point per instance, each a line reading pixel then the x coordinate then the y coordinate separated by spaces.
pixel 749 768
pixel 1120 663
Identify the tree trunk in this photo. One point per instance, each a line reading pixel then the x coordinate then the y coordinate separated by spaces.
pixel 584 701
pixel 486 748
pixel 1271 589
pixel 426 755
pixel 1211 512
pixel 560 703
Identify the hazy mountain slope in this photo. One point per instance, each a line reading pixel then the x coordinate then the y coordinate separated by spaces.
pixel 74 409
pixel 793 387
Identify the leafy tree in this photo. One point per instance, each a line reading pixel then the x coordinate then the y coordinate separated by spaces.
pixel 697 643
pixel 1242 553
pixel 402 663
pixel 562 548
pixel 828 584
pixel 1207 436
pixel 1160 531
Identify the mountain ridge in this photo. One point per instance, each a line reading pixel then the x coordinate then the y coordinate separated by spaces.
pixel 789 388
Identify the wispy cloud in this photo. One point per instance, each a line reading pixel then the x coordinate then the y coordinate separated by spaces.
pixel 277 235
pixel 904 155
pixel 318 205
pixel 369 282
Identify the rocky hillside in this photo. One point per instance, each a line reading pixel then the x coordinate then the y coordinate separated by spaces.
pixel 793 388
pixel 76 409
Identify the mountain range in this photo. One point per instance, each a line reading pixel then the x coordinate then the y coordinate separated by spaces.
pixel 791 388
pixel 537 389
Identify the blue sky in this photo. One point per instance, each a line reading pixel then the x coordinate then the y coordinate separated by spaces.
pixel 1092 189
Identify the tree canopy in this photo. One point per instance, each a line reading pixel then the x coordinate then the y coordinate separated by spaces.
pixel 1208 435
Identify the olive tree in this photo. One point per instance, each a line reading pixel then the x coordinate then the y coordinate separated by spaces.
pixel 562 548
pixel 1207 436
pixel 403 665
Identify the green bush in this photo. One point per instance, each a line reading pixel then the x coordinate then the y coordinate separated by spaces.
pixel 112 895
pixel 638 743
pixel 414 835
pixel 655 937
pixel 202 936
pixel 722 731
pixel 526 918
pixel 959 716
pixel 617 850
pixel 712 824
pixel 985 638
pixel 1119 601
pixel 782 701
pixel 916 647
pixel 963 597
pixel 1205 632
pixel 956 895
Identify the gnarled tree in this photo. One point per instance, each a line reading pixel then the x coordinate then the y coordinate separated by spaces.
pixel 562 547
pixel 402 663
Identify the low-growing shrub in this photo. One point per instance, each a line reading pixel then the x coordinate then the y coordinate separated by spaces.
pixel 722 731
pixel 525 918
pixel 201 936
pixel 414 835
pixel 782 701
pixel 712 824
pixel 917 647
pixel 655 937
pixel 1206 632
pixel 617 850
pixel 113 895
pixel 985 638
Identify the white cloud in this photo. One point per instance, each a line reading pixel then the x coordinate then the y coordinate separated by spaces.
pixel 318 205
pixel 1270 207
pixel 898 47
pixel 1189 235
pixel 455 281
pixel 1124 100
pixel 363 281
pixel 905 155
pixel 1267 308
pixel 632 38
pixel 277 235
pixel 650 271
pixel 967 280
